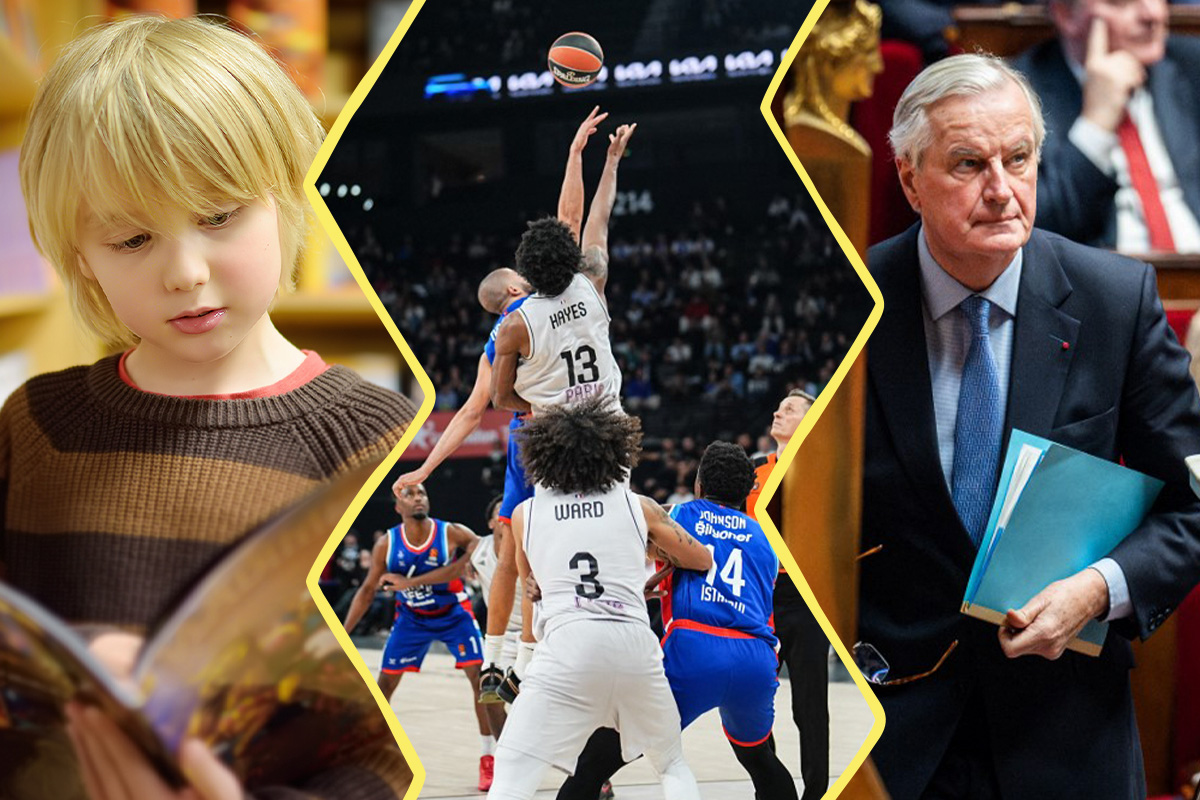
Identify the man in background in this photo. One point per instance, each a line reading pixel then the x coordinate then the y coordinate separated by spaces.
pixel 1122 103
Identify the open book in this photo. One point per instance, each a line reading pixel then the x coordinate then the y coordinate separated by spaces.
pixel 1056 512
pixel 245 663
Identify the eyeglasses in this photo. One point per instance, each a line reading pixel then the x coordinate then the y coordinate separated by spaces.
pixel 870 552
pixel 874 667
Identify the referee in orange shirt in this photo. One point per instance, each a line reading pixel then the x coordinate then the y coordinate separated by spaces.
pixel 802 644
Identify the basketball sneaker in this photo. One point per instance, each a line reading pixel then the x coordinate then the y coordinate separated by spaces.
pixel 487 765
pixel 489 684
pixel 510 688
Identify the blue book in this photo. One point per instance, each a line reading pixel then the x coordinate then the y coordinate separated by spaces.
pixel 1057 511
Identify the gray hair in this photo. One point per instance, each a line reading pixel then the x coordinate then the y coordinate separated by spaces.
pixel 962 75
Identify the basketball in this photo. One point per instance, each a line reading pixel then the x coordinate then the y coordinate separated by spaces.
pixel 575 59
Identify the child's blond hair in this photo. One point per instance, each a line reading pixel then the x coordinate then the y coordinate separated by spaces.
pixel 146 112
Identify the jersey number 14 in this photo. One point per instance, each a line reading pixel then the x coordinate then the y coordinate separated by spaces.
pixel 731 573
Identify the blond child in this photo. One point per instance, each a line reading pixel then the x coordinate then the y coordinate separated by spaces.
pixel 163 174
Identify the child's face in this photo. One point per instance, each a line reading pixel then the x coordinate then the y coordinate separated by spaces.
pixel 198 290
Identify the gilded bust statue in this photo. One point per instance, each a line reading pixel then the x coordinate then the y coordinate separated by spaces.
pixel 836 66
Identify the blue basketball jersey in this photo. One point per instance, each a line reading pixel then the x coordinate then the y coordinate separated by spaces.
pixel 411 562
pixel 737 592
pixel 489 349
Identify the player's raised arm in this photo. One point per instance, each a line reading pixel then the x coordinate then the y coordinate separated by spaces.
pixel 671 543
pixel 595 233
pixel 464 422
pixel 512 338
pixel 570 199
pixel 366 590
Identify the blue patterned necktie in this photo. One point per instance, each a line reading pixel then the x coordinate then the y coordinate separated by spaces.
pixel 979 427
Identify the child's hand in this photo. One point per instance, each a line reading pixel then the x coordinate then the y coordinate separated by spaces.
pixel 118 652
pixel 113 768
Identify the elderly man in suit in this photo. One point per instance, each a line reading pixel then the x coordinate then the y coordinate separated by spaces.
pixel 991 325
pixel 1121 168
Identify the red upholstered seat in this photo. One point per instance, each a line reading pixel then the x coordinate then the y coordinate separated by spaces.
pixel 1187 653
pixel 872 118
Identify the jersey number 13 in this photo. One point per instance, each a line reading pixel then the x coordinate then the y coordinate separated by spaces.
pixel 581 365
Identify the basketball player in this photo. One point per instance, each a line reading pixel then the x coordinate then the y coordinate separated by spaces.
pixel 583 538
pixel 502 292
pixel 568 318
pixel 416 559
pixel 718 648
pixel 556 349
pixel 484 560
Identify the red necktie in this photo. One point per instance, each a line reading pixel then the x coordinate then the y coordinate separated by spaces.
pixel 1142 178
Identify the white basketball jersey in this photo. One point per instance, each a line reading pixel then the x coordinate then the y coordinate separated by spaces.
pixel 570 356
pixel 588 553
pixel 484 559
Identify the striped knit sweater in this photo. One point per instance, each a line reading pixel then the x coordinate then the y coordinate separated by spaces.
pixel 114 500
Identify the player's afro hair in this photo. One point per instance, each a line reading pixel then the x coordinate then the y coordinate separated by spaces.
pixel 548 256
pixel 726 474
pixel 580 448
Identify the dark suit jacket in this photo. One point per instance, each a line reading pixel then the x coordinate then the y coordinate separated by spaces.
pixel 1076 199
pixel 1119 389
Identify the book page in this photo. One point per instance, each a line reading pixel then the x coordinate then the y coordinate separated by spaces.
pixel 44 664
pixel 1027 462
pixel 248 665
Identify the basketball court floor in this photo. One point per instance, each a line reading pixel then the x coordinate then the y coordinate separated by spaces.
pixel 434 709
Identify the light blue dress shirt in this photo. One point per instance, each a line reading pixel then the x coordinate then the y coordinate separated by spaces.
pixel 947 340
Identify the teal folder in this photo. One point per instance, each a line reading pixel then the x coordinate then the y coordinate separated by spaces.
pixel 1056 512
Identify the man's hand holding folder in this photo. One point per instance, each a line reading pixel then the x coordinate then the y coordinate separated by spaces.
pixel 1054 616
pixel 1057 515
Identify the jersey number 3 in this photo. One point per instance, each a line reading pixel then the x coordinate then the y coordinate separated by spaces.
pixel 588 587
pixel 584 358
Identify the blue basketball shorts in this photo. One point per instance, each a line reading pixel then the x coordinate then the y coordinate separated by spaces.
pixel 736 676
pixel 412 634
pixel 516 487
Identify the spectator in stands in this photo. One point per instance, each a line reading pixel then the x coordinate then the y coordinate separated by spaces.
pixel 1122 105
pixel 350 547
pixel 639 392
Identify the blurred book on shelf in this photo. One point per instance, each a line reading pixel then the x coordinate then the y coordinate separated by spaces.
pixel 296 33
pixel 176 9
